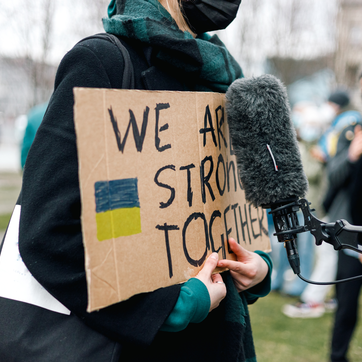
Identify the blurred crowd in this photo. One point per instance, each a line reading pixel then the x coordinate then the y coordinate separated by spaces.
pixel 330 140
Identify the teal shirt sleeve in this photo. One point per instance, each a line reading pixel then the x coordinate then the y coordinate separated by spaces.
pixel 263 288
pixel 192 306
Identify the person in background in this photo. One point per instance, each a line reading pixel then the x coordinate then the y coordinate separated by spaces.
pixel 309 122
pixel 349 152
pixel 34 118
pixel 205 318
pixel 314 300
pixel 344 115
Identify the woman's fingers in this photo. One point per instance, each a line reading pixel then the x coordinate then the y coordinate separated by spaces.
pixel 232 265
pixel 242 255
pixel 248 270
pixel 238 250
pixel 213 282
pixel 210 265
pixel 216 278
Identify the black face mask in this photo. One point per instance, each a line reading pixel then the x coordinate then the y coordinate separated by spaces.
pixel 208 15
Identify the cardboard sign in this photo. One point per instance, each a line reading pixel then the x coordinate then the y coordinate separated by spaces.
pixel 159 187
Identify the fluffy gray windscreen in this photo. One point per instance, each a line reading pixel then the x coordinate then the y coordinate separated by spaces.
pixel 264 140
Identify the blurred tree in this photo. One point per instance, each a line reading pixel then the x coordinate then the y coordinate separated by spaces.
pixel 38 33
pixel 42 80
pixel 91 13
pixel 281 28
pixel 28 79
pixel 44 30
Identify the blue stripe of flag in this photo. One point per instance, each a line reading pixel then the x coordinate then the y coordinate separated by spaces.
pixel 116 194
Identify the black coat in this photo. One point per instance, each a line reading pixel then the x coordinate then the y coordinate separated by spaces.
pixel 356 196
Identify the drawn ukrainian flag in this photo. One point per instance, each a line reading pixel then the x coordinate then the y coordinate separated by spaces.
pixel 117 208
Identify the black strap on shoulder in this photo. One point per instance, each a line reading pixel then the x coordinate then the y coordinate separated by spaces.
pixel 128 72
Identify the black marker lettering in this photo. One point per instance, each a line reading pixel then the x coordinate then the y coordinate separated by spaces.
pixel 223 246
pixel 262 228
pixel 251 223
pixel 208 119
pixel 138 138
pixel 220 161
pixel 247 224
pixel 195 216
pixel 239 180
pixel 166 229
pixel 230 166
pixel 159 107
pixel 214 215
pixel 189 189
pixel 163 205
pixel 219 125
pixel 228 231
pixel 233 207
pixel 205 179
pixel 243 224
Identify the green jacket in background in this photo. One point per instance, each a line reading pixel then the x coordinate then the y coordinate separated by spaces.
pixel 35 116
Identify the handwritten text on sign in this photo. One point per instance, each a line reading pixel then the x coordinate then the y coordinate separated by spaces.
pixel 160 189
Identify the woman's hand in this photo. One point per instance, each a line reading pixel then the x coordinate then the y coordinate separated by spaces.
pixel 248 270
pixel 213 282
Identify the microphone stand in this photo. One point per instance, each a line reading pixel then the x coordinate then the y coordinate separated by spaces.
pixel 340 234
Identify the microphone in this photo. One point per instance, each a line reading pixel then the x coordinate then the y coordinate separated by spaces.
pixel 268 157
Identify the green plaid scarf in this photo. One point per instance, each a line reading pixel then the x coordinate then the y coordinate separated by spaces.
pixel 204 57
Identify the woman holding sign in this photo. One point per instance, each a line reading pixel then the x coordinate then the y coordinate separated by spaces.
pixel 204 319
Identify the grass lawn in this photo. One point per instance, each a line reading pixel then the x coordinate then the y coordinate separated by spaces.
pixel 279 338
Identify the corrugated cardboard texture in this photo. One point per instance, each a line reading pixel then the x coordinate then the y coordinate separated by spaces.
pixel 159 189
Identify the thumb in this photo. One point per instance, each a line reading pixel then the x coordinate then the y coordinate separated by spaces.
pixel 210 264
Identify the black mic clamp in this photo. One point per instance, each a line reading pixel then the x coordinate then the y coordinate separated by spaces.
pixel 340 234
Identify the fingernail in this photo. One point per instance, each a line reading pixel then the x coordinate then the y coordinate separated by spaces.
pixel 214 256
